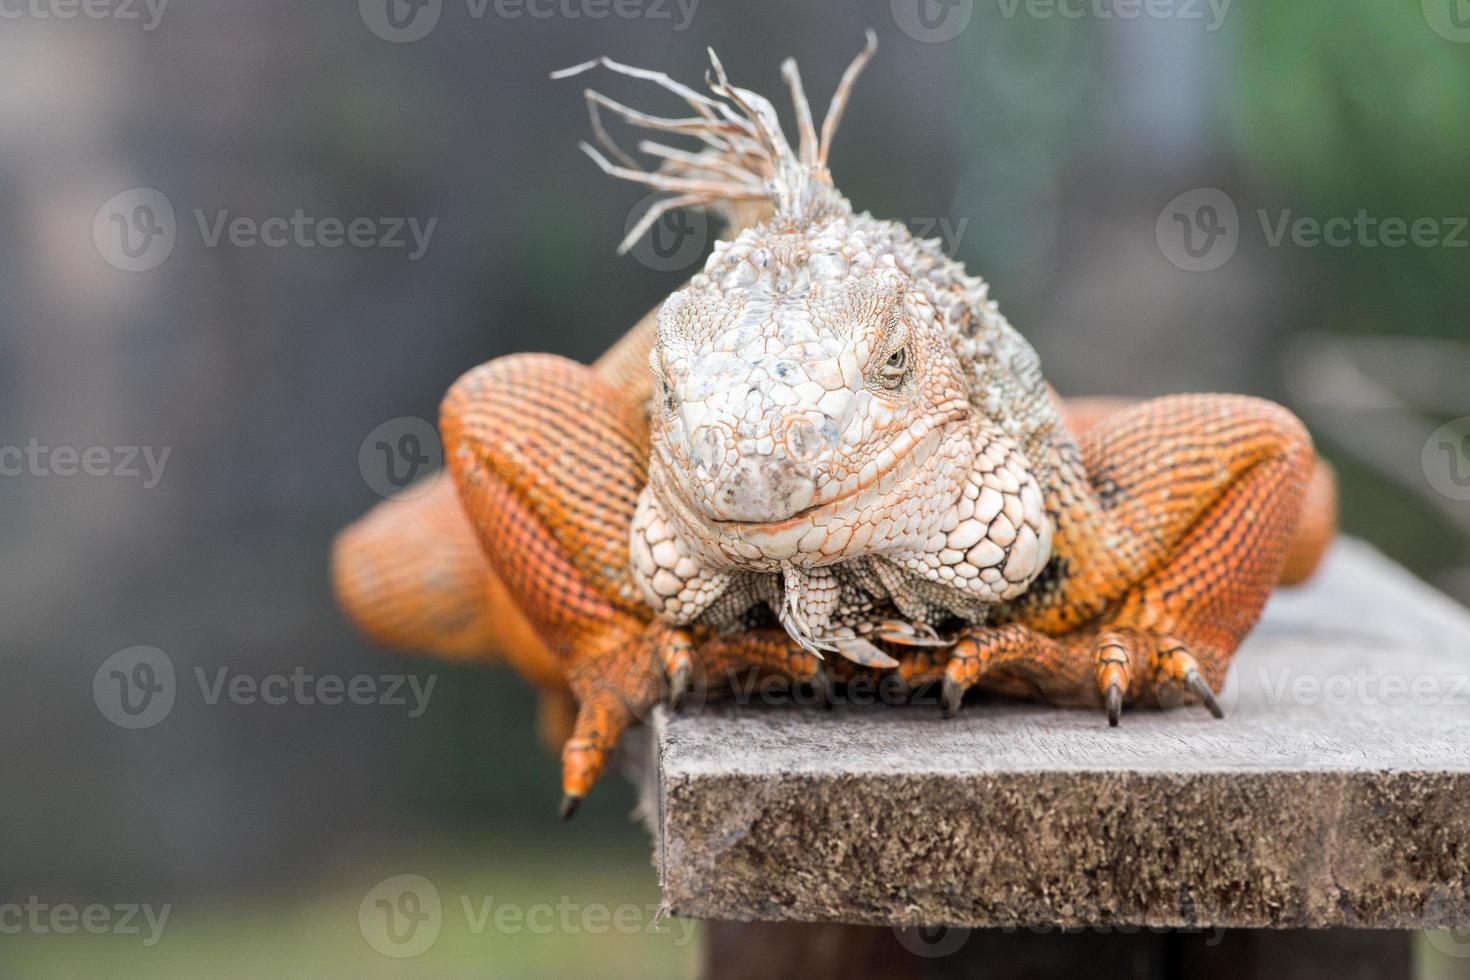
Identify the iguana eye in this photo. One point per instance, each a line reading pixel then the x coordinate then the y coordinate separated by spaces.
pixel 893 371
pixel 671 404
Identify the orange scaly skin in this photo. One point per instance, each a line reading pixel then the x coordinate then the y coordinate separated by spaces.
pixel 1203 497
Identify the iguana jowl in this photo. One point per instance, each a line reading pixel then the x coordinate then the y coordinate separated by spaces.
pixel 834 421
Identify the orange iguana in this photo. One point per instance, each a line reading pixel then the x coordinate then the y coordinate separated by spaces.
pixel 829 441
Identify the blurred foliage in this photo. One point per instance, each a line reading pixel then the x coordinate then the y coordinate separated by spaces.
pixel 1360 107
pixel 316 934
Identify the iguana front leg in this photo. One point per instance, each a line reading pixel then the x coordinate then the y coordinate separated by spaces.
pixel 548 462
pixel 1164 557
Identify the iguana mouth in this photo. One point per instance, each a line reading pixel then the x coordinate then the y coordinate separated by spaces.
pixel 924 441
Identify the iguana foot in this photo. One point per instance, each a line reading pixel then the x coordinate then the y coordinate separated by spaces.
pixel 1170 674
pixel 983 651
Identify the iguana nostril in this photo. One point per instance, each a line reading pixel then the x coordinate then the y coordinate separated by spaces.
pixel 711 445
pixel 803 440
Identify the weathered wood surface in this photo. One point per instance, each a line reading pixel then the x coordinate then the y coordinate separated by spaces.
pixel 1336 792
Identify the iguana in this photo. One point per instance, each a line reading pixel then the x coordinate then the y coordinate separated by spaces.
pixel 829 441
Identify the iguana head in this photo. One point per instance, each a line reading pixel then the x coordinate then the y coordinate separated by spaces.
pixel 809 403
pixel 801 371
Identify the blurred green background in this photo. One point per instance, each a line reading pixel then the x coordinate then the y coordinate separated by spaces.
pixel 1047 149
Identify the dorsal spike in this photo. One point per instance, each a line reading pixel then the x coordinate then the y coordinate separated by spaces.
pixel 745 154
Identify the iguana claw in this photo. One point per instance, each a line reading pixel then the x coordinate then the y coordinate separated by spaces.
pixel 864 654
